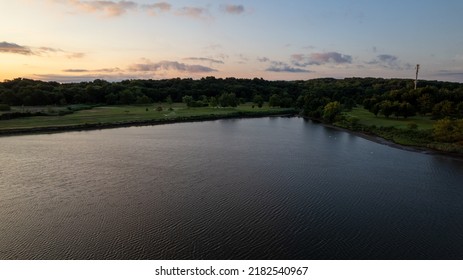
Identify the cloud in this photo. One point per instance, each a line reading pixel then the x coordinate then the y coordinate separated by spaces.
pixel 234 9
pixel 14 48
pixel 75 55
pixel 108 70
pixel 193 12
pixel 390 61
pixel 87 77
pixel 76 70
pixel 6 47
pixel 48 49
pixel 302 60
pixel 330 57
pixel 387 58
pixel 263 59
pixel 449 73
pixel 278 66
pixel 243 59
pixel 108 8
pixel 204 59
pixel 146 70
pixel 170 66
pixel 103 70
pixel 153 9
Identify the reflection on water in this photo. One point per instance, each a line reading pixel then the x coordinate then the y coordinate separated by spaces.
pixel 270 188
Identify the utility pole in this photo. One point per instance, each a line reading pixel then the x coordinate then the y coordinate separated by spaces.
pixel 416 78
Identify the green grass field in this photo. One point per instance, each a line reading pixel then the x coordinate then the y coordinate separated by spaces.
pixel 367 118
pixel 117 114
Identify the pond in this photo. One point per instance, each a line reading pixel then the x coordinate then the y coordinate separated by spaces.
pixel 265 188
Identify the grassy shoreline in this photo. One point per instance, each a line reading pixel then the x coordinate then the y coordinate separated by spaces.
pixel 124 116
pixel 398 132
pixel 392 132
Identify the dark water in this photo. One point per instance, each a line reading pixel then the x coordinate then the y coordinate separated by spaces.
pixel 270 188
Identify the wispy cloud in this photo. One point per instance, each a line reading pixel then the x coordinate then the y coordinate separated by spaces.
pixel 147 70
pixel 6 47
pixel 76 70
pixel 107 8
pixel 73 78
pixel 14 48
pixel 170 66
pixel 194 12
pixel 76 55
pixel 263 59
pixel 103 70
pixel 154 9
pixel 204 59
pixel 243 59
pixel 389 61
pixel 234 9
pixel 48 50
pixel 302 60
pixel 330 57
pixel 278 66
pixel 112 8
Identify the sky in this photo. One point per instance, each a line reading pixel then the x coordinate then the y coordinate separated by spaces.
pixel 72 40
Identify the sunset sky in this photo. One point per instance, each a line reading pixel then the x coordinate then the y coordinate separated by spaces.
pixel 71 40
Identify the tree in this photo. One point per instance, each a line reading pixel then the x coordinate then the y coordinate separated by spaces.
pixel 442 109
pixel 376 109
pixel 188 100
pixel 274 100
pixel 143 99
pixel 169 101
pixel 111 99
pixel 331 110
pixel 386 108
pixel 228 100
pixel 258 100
pixel 127 97
pixel 214 101
pixel 286 101
pixel 406 109
pixel 424 104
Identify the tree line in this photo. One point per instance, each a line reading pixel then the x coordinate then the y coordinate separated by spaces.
pixel 322 99
pixel 429 100
pixel 318 98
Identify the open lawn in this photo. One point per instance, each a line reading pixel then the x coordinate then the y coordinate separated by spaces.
pixel 121 114
pixel 367 118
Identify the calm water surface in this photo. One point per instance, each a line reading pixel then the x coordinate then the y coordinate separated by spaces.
pixel 269 188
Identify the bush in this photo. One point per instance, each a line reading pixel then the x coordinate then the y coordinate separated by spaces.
pixel 447 130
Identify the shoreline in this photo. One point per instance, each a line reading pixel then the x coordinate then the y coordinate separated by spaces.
pixel 100 126
pixel 383 141
pixel 201 118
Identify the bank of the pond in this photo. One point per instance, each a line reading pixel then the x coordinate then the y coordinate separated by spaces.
pixel 389 135
pixel 128 123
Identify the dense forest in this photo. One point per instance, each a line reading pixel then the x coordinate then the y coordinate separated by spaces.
pixel 323 99
pixel 381 96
